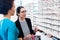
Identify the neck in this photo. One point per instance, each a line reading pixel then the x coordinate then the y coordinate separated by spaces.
pixel 7 16
pixel 21 18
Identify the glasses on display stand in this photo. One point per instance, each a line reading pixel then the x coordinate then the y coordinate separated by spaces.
pixel 37 37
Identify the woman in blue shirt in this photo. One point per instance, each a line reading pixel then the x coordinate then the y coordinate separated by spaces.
pixel 8 30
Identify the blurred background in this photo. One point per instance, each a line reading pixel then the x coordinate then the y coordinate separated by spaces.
pixel 45 14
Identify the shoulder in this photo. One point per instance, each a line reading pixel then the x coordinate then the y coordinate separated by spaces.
pixel 9 22
pixel 6 21
pixel 11 25
pixel 27 18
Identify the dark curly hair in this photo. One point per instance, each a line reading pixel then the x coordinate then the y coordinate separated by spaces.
pixel 5 5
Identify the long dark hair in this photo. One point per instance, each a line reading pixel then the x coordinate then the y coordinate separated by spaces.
pixel 18 10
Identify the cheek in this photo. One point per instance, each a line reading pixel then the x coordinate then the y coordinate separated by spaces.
pixel 13 10
pixel 20 15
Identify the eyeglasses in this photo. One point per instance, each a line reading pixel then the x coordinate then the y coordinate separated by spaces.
pixel 23 11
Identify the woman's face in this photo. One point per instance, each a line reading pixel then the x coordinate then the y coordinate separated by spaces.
pixel 12 10
pixel 22 13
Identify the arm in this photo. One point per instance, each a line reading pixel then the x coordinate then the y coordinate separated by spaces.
pixel 32 31
pixel 20 29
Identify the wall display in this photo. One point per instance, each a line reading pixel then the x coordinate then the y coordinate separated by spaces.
pixel 45 14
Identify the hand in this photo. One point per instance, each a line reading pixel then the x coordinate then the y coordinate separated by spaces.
pixel 49 35
pixel 36 29
pixel 27 37
pixel 33 38
pixel 19 38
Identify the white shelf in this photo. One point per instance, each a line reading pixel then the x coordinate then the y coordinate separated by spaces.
pixel 45 11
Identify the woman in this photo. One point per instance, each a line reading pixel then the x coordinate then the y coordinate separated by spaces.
pixel 8 30
pixel 24 24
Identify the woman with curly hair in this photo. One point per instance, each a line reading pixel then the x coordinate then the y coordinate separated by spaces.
pixel 8 30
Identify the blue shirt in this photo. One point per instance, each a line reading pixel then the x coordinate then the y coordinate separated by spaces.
pixel 8 30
